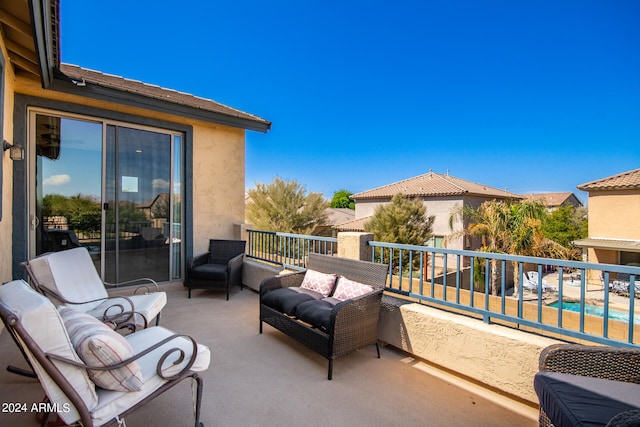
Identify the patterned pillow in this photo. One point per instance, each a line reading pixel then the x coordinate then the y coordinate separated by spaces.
pixel 319 282
pixel 348 289
pixel 98 345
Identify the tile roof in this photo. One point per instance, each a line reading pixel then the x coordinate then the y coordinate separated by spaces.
pixel 83 75
pixel 550 199
pixel 434 184
pixel 623 181
pixel 355 225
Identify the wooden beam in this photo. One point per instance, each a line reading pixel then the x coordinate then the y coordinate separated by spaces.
pixel 15 23
pixel 24 52
pixel 19 61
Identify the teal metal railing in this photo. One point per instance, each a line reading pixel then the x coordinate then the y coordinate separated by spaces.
pixel 482 284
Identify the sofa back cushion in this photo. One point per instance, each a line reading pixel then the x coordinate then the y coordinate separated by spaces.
pixel 43 324
pixel 321 283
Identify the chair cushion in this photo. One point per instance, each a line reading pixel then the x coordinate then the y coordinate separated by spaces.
pixel 149 305
pixel 72 274
pixel 45 326
pixel 574 400
pixel 98 345
pixel 348 289
pixel 215 272
pixel 317 312
pixel 113 403
pixel 285 300
pixel 319 282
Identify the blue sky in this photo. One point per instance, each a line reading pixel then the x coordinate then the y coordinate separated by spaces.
pixel 532 96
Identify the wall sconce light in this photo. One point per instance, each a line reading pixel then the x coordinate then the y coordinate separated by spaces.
pixel 15 150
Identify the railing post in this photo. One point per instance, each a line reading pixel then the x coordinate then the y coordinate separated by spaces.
pixel 354 245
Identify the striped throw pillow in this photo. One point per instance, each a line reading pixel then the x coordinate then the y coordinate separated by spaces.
pixel 98 345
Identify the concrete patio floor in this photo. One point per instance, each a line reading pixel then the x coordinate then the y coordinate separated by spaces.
pixel 271 380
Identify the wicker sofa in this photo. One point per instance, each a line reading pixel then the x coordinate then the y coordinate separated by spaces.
pixel 588 385
pixel 333 327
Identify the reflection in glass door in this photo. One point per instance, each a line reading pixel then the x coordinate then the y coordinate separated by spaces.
pixel 111 188
pixel 68 185
pixel 137 204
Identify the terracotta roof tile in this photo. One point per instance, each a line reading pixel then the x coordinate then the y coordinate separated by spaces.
pixel 433 184
pixel 550 199
pixel 85 75
pixel 623 181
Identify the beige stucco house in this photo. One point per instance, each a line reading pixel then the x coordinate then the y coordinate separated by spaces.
pixel 82 137
pixel 553 201
pixel 441 195
pixel 614 228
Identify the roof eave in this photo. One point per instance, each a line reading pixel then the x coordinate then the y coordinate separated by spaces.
pixel 45 36
pixel 63 83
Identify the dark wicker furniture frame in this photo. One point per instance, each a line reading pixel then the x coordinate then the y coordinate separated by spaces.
pixel 232 252
pixel 12 323
pixel 353 324
pixel 610 363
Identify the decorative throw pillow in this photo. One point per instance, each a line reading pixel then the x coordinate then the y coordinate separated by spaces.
pixel 319 282
pixel 348 289
pixel 98 345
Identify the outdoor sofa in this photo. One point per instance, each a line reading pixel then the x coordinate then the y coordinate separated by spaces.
pixel 332 307
pixel 579 385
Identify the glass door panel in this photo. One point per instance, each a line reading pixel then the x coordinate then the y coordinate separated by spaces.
pixel 137 204
pixel 68 184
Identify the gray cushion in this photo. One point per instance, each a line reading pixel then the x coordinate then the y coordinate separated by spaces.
pixel 285 300
pixel 214 272
pixel 573 400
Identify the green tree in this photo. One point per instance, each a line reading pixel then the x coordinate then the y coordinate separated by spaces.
pixel 286 206
pixel 83 212
pixel 566 224
pixel 404 221
pixel 342 199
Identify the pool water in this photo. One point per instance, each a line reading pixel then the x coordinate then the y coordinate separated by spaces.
pixel 596 310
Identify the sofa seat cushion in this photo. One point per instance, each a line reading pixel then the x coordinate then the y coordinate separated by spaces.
pixel 574 400
pixel 112 402
pixel 317 312
pixel 213 272
pixel 285 300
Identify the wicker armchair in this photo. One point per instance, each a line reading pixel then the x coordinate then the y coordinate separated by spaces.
pixel 221 267
pixel 586 367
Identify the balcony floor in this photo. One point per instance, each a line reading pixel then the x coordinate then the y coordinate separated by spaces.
pixel 271 380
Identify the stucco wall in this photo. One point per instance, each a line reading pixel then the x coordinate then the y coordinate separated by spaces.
pixel 7 171
pixel 500 357
pixel 614 214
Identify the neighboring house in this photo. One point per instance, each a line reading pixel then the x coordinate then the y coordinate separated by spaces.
pixel 335 217
pixel 441 194
pixel 116 142
pixel 553 201
pixel 614 228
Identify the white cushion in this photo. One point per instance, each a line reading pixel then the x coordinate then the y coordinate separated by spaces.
pixel 114 402
pixel 348 289
pixel 98 345
pixel 72 275
pixel 149 305
pixel 43 324
pixel 321 283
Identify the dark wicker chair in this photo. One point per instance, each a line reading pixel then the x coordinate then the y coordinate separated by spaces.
pixel 221 267
pixel 607 363
pixel 353 323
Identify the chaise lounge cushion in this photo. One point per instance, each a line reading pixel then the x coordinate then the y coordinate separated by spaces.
pixel 98 345
pixel 285 300
pixel 317 312
pixel 577 400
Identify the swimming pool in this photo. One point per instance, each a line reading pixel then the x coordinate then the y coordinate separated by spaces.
pixel 596 310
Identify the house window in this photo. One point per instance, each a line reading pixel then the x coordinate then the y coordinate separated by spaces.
pixel 629 258
pixel 436 242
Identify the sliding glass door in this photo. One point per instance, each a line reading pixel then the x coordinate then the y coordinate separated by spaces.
pixel 112 188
